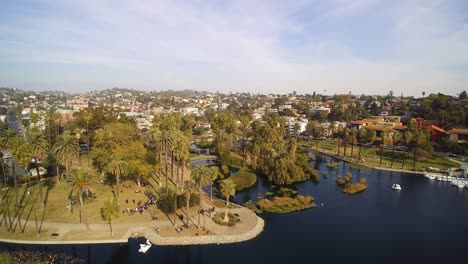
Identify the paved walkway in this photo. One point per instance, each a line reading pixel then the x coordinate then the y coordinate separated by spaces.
pixel 160 232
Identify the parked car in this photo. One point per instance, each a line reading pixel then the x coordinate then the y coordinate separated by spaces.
pixel 33 171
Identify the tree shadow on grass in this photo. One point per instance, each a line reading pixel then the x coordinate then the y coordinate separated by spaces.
pixel 5 208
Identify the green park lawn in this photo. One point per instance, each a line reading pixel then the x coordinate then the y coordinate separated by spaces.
pixel 371 156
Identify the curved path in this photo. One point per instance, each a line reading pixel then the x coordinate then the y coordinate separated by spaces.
pixel 249 227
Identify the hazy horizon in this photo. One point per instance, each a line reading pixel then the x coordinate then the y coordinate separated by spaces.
pixel 330 47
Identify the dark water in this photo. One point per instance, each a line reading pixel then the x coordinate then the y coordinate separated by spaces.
pixel 425 222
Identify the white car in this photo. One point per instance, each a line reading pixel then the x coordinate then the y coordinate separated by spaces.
pixel 33 172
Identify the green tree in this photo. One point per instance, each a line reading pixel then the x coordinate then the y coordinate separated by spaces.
pixel 116 168
pixel 165 143
pixel 38 146
pixel 110 211
pixel 64 150
pixel 227 189
pixel 200 176
pixel 81 182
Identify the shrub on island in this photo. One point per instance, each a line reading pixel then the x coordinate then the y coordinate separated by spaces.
pixel 285 204
pixel 333 164
pixel 345 179
pixel 353 188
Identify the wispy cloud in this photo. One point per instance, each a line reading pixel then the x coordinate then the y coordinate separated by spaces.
pixel 367 46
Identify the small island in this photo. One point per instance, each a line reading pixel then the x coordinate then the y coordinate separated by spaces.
pixel 282 205
pixel 357 187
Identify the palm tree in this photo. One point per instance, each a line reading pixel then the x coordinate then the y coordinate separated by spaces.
pixel 165 143
pixel 65 149
pixel 199 174
pixel 384 134
pixel 213 174
pixel 5 142
pixel 38 145
pixel 346 133
pixel 17 148
pixel 228 188
pixel 81 181
pixel 117 168
pixel 359 137
pixel 419 138
pixel 110 211
pixel 395 139
pixel 181 154
pixel 408 137
pixel 352 135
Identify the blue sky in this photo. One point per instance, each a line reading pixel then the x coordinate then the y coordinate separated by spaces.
pixel 337 46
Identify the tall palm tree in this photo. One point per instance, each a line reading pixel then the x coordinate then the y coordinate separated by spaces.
pixel 117 168
pixel 352 136
pixel 395 139
pixel 18 150
pixel 181 154
pixel 38 145
pixel 418 140
pixel 346 133
pixel 384 135
pixel 407 138
pixel 81 181
pixel 65 149
pixel 227 189
pixel 165 143
pixel 359 137
pixel 213 174
pixel 110 211
pixel 5 142
pixel 199 174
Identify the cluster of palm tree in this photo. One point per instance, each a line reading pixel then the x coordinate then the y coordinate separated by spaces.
pixel 31 149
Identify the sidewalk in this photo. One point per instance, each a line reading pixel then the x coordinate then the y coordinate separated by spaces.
pixel 249 227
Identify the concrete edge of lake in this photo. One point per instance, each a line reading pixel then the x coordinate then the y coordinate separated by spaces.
pixel 242 231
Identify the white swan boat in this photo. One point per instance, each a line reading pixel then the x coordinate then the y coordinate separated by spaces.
pixel 396 187
pixel 145 247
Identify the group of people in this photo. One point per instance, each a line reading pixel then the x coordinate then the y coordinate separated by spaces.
pixel 207 212
pixel 141 206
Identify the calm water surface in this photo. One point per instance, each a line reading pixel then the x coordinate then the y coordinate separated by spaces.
pixel 425 222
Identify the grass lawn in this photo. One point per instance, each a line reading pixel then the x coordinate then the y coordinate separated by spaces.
pixel 371 156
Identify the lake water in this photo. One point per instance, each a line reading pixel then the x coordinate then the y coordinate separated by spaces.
pixel 426 222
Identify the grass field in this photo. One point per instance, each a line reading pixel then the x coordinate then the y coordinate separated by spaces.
pixel 371 156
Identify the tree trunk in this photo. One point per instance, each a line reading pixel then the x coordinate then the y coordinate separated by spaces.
pixel 345 144
pixel 404 158
pixel 393 152
pixel 175 206
pixel 167 190
pixel 381 153
pixel 40 183
pixel 187 200
pixel 199 204
pixel 226 219
pixel 85 216
pixel 414 159
pixel 172 165
pixel 57 167
pixel 352 149
pixel 117 181
pixel 360 147
pixel 15 184
pixel 211 190
pixel 339 143
pixel 110 224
